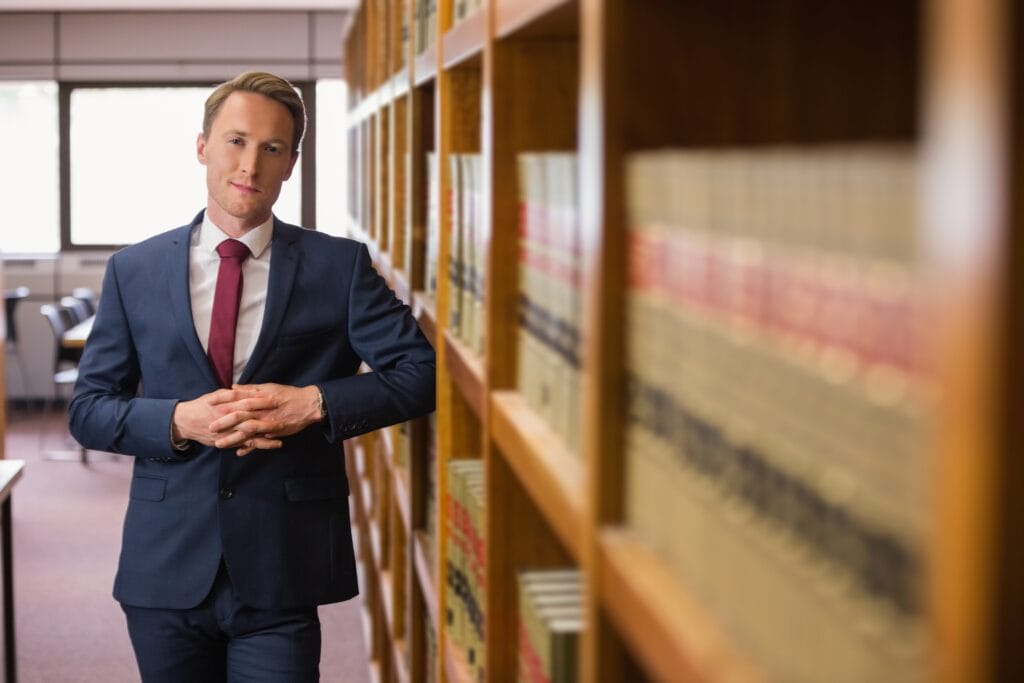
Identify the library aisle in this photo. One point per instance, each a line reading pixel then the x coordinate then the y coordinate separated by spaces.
pixel 67 534
pixel 726 297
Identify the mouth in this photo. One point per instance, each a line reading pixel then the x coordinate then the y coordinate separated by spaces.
pixel 245 189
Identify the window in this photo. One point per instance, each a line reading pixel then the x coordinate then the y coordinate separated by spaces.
pixel 30 173
pixel 331 156
pixel 133 167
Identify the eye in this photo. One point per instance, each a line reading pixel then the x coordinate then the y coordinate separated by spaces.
pixel 273 149
pixel 235 141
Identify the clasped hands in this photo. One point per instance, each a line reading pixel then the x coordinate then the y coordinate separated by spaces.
pixel 246 417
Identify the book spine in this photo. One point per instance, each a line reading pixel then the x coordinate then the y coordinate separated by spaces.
pixel 778 401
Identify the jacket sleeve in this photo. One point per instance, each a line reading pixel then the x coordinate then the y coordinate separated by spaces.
pixel 105 413
pixel 385 336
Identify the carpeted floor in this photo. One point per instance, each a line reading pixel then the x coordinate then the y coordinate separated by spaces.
pixel 67 525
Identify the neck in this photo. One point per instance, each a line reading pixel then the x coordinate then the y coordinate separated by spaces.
pixel 232 226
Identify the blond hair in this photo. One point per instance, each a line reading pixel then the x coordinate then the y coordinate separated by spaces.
pixel 266 84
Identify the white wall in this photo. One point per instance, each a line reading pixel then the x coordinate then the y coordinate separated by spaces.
pixel 169 46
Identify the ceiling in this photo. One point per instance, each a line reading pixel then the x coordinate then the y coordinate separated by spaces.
pixel 146 5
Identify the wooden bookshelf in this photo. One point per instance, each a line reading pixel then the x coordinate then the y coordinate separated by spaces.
pixel 552 475
pixel 465 40
pixel 611 81
pixel 466 372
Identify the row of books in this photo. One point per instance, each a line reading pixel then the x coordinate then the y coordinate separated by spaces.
pixel 550 291
pixel 550 624
pixel 464 581
pixel 430 267
pixel 433 654
pixel 467 255
pixel 463 8
pixel 778 409
pixel 358 189
pixel 426 24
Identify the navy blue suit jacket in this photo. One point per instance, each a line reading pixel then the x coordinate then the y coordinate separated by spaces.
pixel 279 518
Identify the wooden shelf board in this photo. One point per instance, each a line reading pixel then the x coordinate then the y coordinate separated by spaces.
pixel 424 67
pixel 359 456
pixel 465 40
pixel 552 474
pixel 535 18
pixel 400 284
pixel 365 108
pixel 425 310
pixel 398 84
pixel 456 666
pixel 375 672
pixel 673 637
pixel 401 487
pixel 381 263
pixel 398 654
pixel 367 498
pixel 387 603
pixel 425 575
pixel 375 547
pixel 466 370
pixel 387 446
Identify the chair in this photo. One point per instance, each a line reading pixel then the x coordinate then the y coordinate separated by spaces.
pixel 13 297
pixel 65 369
pixel 86 296
pixel 78 308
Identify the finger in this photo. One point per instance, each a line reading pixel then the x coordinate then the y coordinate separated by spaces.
pixel 241 420
pixel 222 396
pixel 260 443
pixel 259 403
pixel 232 440
pixel 255 388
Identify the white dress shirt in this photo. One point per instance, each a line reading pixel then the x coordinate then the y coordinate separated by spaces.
pixel 204 263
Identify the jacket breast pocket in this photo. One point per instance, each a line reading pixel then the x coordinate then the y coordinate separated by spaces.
pixel 148 488
pixel 313 488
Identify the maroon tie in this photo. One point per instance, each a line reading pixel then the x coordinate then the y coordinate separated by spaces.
pixel 227 296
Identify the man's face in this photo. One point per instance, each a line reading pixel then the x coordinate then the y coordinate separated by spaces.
pixel 247 155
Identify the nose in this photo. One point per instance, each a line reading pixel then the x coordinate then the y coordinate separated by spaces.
pixel 250 161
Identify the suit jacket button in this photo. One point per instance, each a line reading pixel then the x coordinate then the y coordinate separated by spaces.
pixel 226 493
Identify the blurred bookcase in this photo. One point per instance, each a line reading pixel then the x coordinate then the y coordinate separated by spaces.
pixel 532 175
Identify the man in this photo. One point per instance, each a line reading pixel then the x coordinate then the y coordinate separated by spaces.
pixel 224 358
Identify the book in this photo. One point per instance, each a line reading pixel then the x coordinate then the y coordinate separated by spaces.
pixel 778 400
pixel 550 621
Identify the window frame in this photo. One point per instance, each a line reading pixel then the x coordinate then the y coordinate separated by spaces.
pixel 307 152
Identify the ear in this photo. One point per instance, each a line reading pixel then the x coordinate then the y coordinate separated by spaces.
pixel 291 165
pixel 201 148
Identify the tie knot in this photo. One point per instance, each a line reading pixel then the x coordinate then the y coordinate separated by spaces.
pixel 233 249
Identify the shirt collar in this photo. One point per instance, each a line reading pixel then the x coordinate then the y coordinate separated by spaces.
pixel 256 239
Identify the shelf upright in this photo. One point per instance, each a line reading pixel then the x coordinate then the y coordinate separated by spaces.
pixel 603 654
pixel 973 227
pixel 530 85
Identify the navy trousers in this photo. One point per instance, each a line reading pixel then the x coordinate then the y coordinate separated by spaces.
pixel 223 641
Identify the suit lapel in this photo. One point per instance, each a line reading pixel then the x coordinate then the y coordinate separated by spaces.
pixel 181 298
pixel 284 263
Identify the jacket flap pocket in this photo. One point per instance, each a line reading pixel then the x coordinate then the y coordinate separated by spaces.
pixel 148 488
pixel 310 488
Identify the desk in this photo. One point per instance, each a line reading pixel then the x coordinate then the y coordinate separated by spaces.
pixel 10 472
pixel 76 336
